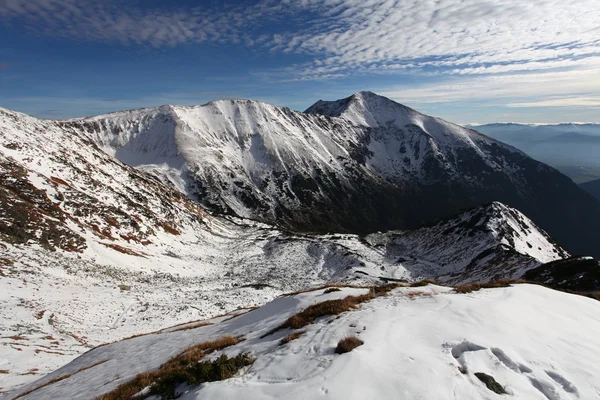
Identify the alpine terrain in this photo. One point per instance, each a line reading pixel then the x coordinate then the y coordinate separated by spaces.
pixel 132 224
pixel 357 165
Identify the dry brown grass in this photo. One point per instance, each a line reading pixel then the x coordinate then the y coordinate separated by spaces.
pixel 60 378
pixel 348 344
pixel 124 250
pixel 335 286
pixel 473 287
pixel 16 337
pixel 290 337
pixel 6 262
pixel 168 228
pixel 412 295
pixel 60 181
pixel 329 307
pixel 198 325
pixel 4 371
pixel 175 367
pixel 423 282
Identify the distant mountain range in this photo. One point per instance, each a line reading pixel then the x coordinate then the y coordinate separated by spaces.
pixel 571 148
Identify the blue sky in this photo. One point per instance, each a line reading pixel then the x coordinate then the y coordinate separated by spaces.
pixel 466 61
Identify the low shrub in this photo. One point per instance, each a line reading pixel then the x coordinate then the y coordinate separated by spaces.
pixel 290 337
pixel 423 282
pixel 473 287
pixel 184 368
pixel 348 344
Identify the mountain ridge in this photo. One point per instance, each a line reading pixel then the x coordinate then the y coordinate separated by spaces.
pixel 312 172
pixel 94 250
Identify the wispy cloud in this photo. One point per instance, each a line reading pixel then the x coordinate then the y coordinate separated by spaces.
pixel 345 36
pixel 561 102
pixel 521 54
pixel 466 37
pixel 122 22
pixel 557 87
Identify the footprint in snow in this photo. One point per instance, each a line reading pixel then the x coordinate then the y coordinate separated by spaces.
pixel 550 388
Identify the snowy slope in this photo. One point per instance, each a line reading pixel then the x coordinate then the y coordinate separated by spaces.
pixel 314 171
pixel 92 251
pixel 419 343
pixel 497 241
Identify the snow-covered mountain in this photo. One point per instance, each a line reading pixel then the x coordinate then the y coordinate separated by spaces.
pixel 93 250
pixel 525 341
pixel 361 164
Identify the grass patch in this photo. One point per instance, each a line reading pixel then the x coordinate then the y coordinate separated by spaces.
pixel 4 371
pixel 332 286
pixel 473 287
pixel 198 325
pixel 16 337
pixel 123 250
pixel 423 282
pixel 348 344
pixel 329 307
pixel 290 337
pixel 331 290
pixel 168 228
pixel 419 293
pixel 184 368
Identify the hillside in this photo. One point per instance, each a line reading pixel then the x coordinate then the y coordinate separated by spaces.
pixel 417 343
pixel 313 171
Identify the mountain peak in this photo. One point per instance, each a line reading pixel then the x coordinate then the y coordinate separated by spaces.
pixel 367 109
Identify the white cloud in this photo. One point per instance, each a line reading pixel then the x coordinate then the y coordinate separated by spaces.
pixel 537 89
pixel 118 21
pixel 562 102
pixel 473 36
